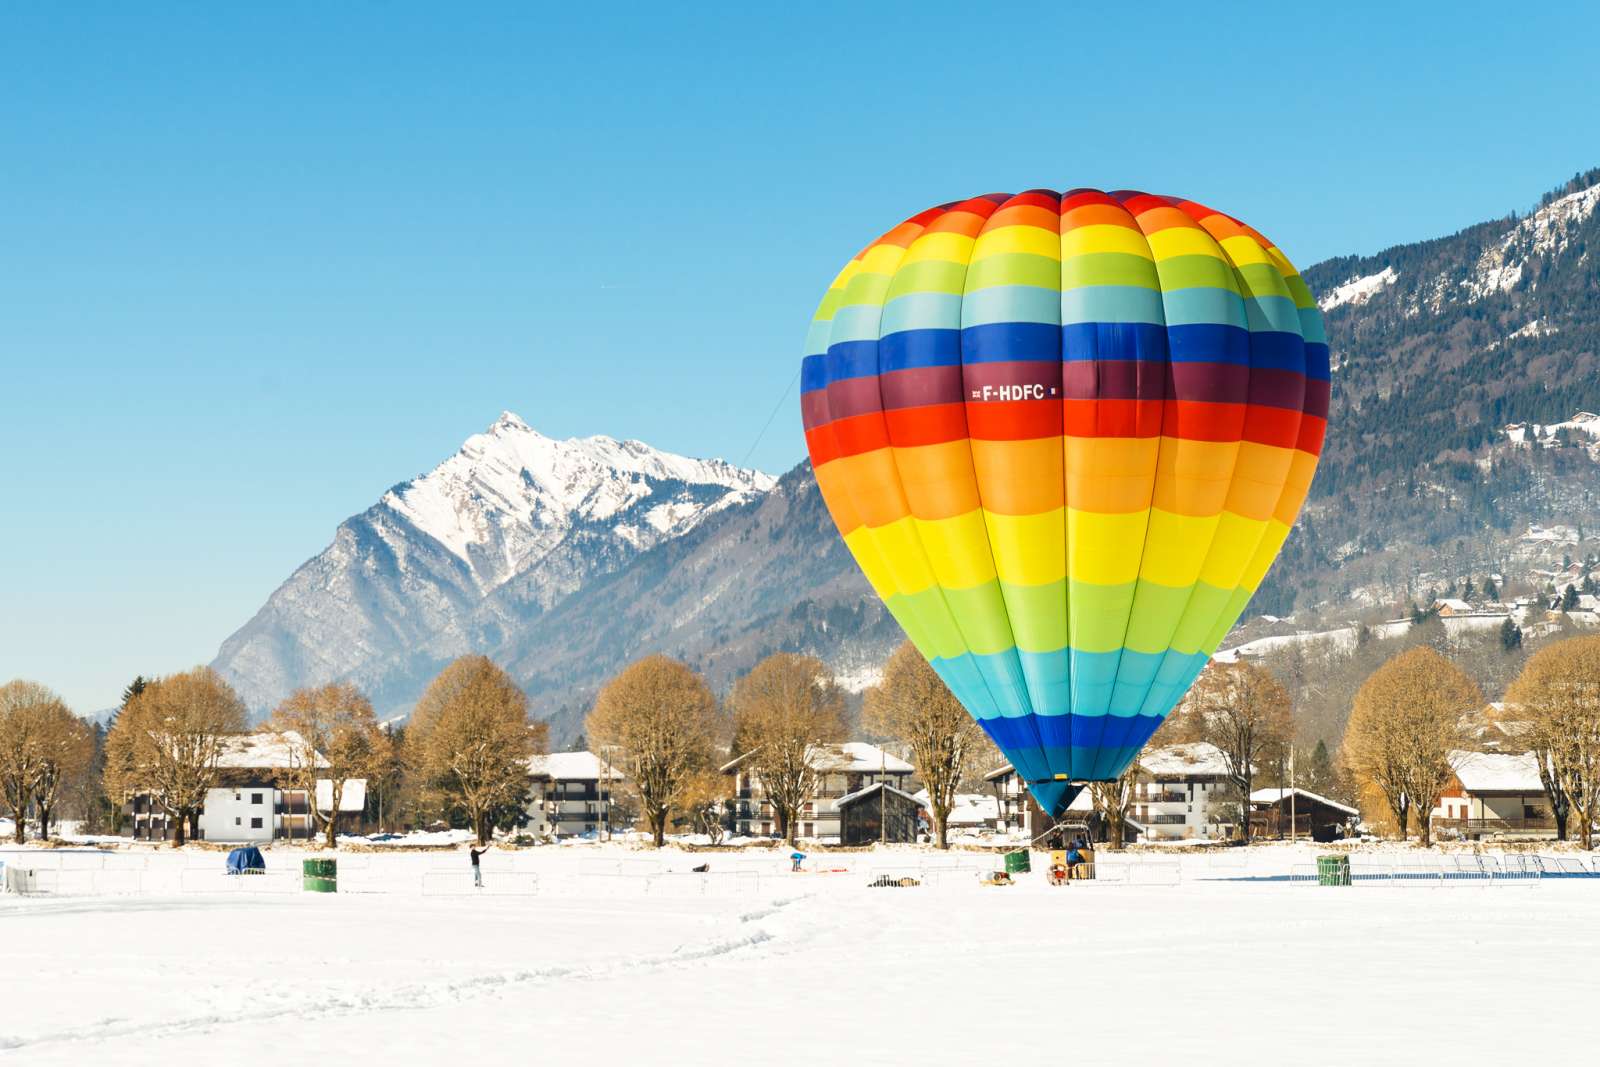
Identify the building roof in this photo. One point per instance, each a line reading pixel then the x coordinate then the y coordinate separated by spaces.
pixel 1199 759
pixel 851 798
pixel 1452 604
pixel 968 809
pixel 1497 772
pixel 856 757
pixel 571 766
pixel 1275 796
pixel 1000 772
pixel 280 750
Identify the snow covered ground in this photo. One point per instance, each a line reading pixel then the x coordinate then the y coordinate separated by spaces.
pixel 604 953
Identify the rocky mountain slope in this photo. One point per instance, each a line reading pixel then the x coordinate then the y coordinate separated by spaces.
pixel 462 558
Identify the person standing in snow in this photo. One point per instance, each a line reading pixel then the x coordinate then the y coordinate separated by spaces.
pixel 795 859
pixel 477 871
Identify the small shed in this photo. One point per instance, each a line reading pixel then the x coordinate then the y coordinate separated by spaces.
pixel 1313 816
pixel 879 812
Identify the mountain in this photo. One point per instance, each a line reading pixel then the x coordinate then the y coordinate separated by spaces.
pixel 1459 445
pixel 1445 352
pixel 464 556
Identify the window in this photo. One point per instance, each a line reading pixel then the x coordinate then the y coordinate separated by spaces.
pixel 255 798
pixel 236 796
pixel 236 820
pixel 255 824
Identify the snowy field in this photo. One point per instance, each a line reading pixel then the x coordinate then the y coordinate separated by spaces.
pixel 605 954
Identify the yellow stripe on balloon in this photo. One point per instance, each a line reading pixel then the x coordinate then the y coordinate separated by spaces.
pixel 1007 240
pixel 1028 549
pixel 958 549
pixel 1244 251
pixel 881 259
pixel 1231 550
pixel 1088 240
pixel 1182 241
pixel 1098 546
pixel 943 246
pixel 1175 548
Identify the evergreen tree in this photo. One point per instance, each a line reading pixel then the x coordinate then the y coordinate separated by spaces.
pixel 1510 636
pixel 1569 598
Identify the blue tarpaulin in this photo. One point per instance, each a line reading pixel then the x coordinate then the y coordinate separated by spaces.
pixel 246 861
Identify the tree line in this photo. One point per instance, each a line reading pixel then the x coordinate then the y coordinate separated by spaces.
pixel 462 757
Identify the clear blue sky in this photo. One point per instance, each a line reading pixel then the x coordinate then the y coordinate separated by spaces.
pixel 257 264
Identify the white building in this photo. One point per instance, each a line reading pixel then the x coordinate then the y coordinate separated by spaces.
pixel 1494 793
pixel 844 775
pixel 255 798
pixel 1183 792
pixel 571 794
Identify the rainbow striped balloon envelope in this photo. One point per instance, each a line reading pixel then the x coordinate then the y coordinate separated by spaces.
pixel 1065 436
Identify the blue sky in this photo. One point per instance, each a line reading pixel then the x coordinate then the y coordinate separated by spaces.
pixel 257 264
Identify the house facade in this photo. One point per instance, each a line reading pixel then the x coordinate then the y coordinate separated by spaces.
pixel 844 774
pixel 1494 793
pixel 1301 814
pixel 1183 792
pixel 571 794
pixel 256 797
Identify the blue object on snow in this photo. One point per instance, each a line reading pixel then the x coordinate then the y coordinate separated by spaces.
pixel 246 861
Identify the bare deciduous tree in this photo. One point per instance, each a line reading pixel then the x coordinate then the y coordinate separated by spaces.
pixel 68 749
pixel 1111 802
pixel 28 716
pixel 785 707
pixel 469 738
pixel 1405 723
pixel 913 705
pixel 1559 692
pixel 1244 712
pixel 657 721
pixel 331 733
pixel 168 739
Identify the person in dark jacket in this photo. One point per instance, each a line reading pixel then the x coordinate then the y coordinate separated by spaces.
pixel 477 870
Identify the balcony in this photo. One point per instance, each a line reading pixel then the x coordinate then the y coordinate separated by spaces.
pixel 1495 825
pixel 1163 798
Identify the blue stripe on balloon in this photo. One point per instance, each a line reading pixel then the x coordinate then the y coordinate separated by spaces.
pixel 1025 341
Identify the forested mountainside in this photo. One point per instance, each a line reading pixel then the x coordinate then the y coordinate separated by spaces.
pixel 1439 348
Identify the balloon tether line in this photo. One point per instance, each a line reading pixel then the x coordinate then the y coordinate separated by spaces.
pixel 768 424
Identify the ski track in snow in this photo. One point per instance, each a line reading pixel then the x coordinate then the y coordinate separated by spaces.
pixel 407 997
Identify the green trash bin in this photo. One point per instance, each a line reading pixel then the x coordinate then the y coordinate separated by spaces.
pixel 320 876
pixel 1333 870
pixel 1018 862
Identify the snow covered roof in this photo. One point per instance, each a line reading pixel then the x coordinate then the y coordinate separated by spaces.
pixel 1452 604
pixel 968 809
pixel 1274 795
pixel 570 766
pixel 278 751
pixel 1497 772
pixel 1199 759
pixel 1000 772
pixel 851 798
pixel 353 797
pixel 855 757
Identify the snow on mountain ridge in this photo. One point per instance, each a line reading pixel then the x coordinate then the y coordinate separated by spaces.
pixel 511 493
pixel 1545 232
pixel 1358 291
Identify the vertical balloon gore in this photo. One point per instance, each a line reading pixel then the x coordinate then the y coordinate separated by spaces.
pixel 1065 435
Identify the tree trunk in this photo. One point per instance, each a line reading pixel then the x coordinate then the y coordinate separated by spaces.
pixel 333 829
pixel 177 830
pixel 44 821
pixel 941 828
pixel 1561 822
pixel 194 826
pixel 785 824
pixel 658 826
pixel 1425 830
pixel 478 827
pixel 20 833
pixel 1244 809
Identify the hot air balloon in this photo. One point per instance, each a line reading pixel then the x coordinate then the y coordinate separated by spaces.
pixel 1065 435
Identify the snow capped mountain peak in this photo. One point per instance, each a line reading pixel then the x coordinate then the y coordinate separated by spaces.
pixel 510 494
